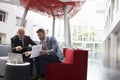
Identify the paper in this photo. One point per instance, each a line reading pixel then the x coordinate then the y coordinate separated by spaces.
pixel 35 51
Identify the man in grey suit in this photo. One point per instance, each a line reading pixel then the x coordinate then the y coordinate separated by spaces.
pixel 50 52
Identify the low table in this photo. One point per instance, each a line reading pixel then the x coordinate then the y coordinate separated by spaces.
pixel 17 71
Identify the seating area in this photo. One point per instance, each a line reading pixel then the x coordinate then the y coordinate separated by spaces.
pixel 4 50
pixel 87 31
pixel 74 66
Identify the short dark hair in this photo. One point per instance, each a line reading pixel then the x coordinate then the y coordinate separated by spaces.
pixel 40 30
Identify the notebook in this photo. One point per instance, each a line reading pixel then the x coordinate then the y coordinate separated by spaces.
pixel 15 58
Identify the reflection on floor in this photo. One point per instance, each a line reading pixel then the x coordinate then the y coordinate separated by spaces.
pixel 94 71
pixel 97 72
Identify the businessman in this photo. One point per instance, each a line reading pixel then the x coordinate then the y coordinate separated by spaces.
pixel 50 52
pixel 20 44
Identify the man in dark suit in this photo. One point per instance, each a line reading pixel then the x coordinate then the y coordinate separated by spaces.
pixel 20 44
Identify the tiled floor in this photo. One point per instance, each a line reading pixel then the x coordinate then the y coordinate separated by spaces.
pixel 94 72
pixel 97 72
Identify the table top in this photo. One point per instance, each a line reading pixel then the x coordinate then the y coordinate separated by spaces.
pixel 23 64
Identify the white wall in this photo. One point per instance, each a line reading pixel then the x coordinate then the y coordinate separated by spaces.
pixel 9 27
pixel 113 28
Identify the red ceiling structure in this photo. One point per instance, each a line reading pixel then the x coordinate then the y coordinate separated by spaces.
pixel 53 8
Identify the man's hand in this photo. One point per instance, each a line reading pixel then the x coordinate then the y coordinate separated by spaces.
pixel 18 48
pixel 43 52
pixel 27 53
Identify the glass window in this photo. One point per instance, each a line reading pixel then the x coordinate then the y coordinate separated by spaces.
pixel 2 16
pixel 0 40
pixel 117 5
pixel 18 22
pixel 47 31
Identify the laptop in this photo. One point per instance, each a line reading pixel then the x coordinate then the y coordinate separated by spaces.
pixel 15 58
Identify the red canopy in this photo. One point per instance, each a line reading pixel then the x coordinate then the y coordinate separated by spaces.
pixel 51 7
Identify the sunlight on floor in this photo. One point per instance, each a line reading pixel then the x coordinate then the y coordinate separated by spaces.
pixel 96 71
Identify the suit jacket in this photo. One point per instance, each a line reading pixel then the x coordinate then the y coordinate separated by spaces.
pixel 52 47
pixel 16 42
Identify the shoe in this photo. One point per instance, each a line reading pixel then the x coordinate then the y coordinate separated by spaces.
pixel 41 78
pixel 35 78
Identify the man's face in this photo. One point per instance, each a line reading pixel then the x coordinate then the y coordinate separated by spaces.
pixel 41 36
pixel 21 33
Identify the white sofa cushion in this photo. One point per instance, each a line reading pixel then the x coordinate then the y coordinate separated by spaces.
pixel 3 61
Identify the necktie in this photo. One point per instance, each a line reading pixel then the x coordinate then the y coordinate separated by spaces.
pixel 44 46
pixel 22 41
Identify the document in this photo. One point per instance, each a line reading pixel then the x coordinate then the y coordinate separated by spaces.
pixel 35 51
